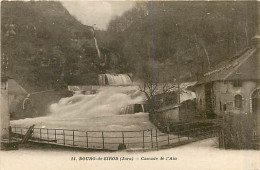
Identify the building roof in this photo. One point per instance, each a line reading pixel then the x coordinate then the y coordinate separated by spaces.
pixel 14 87
pixel 244 66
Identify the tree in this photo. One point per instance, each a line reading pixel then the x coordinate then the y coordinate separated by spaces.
pixel 159 87
pixel 201 33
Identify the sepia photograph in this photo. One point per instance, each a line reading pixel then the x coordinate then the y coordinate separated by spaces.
pixel 130 85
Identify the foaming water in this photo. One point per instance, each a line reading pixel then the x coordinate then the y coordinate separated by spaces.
pixel 105 103
pixel 101 111
pixel 118 79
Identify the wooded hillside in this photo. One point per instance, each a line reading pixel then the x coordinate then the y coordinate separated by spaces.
pixel 201 34
pixel 45 45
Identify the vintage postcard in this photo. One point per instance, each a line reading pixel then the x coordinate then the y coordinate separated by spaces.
pixel 130 85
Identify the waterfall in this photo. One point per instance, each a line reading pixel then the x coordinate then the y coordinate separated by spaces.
pixel 131 109
pixel 118 79
pixel 127 110
pixel 96 44
pixel 95 40
pixel 109 109
pixel 114 79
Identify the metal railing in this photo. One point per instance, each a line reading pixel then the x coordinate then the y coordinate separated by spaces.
pixel 111 140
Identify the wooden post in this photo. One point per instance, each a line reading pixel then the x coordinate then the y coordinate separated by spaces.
pixel 87 138
pixel 223 139
pixel 156 137
pixel 40 133
pixel 188 131
pixel 123 136
pixel 143 139
pixel 103 140
pixel 152 137
pixel 201 132
pixel 168 139
pixel 219 140
pixel 55 135
pixel 10 134
pixel 73 137
pixel 178 135
pixel 178 83
pixel 188 134
pixel 63 137
pixel 28 134
pixel 21 131
pixel 48 135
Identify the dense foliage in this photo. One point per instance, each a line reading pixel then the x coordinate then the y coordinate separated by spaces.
pixel 45 45
pixel 200 34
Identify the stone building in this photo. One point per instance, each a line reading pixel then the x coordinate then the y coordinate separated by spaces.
pixel 16 95
pixel 233 86
pixel 5 114
pixel 11 93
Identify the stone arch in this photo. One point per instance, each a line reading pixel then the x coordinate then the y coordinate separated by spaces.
pixel 27 102
pixel 251 98
pixel 243 98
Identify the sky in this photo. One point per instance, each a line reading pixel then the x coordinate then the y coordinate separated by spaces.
pixel 97 13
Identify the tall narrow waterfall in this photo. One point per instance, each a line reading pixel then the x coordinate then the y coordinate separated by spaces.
pixel 96 44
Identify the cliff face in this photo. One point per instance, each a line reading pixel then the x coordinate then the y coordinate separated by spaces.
pixel 44 44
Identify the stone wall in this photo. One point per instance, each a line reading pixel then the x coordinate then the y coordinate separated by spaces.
pixel 40 104
pixel 173 114
pixel 168 114
pixel 224 96
pixel 4 116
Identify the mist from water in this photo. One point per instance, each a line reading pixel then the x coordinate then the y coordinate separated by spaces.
pixel 101 111
pixel 105 103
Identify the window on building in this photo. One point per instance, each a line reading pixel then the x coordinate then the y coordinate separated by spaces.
pixel 214 101
pixel 238 101
pixel 225 107
pixel 237 83
pixel 138 108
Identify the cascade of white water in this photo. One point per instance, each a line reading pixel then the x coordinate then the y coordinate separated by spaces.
pixel 109 108
pixel 127 110
pixel 97 48
pixel 118 79
pixel 95 40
